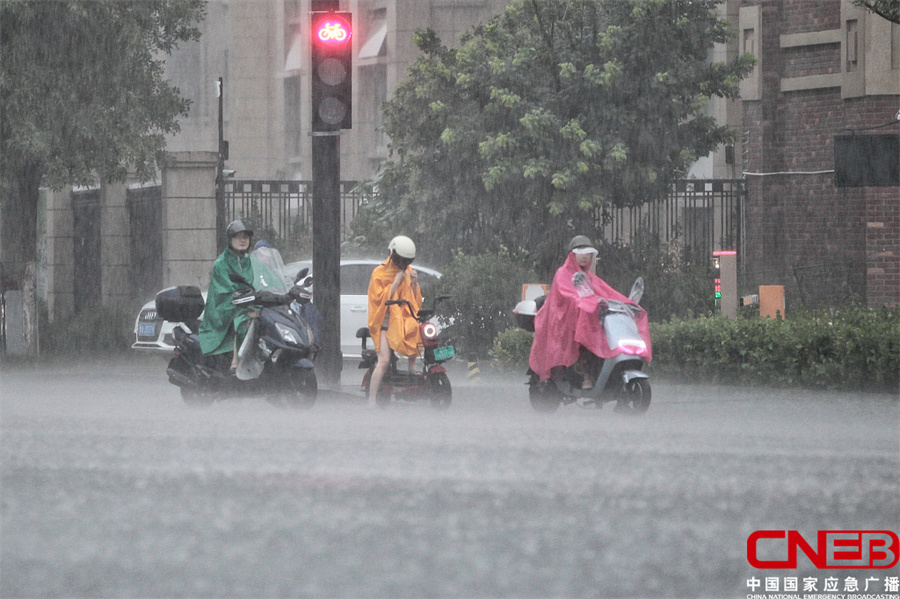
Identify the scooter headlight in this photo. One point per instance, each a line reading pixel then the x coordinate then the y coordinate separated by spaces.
pixel 288 335
pixel 429 330
pixel 634 347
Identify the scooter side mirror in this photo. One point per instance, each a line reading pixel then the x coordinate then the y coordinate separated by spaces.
pixel 303 272
pixel 637 290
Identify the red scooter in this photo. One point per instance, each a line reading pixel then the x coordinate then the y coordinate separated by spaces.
pixel 430 384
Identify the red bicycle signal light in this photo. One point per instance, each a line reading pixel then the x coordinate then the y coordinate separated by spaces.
pixel 333 31
pixel 332 70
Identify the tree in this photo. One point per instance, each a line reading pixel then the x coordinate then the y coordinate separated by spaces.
pixel 887 9
pixel 82 96
pixel 546 115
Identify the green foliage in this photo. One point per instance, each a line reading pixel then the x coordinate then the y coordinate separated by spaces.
pixel 485 289
pixel 887 9
pixel 673 286
pixel 545 114
pixel 853 349
pixel 848 349
pixel 511 350
pixel 83 94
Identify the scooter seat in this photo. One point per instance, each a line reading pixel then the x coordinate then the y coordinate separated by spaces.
pixel 363 333
pixel 190 341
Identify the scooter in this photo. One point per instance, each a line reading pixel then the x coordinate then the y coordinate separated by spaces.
pixel 431 384
pixel 276 357
pixel 620 378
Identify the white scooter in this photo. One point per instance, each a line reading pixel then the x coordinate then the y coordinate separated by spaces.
pixel 620 378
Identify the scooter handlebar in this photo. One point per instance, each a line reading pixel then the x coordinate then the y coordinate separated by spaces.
pixel 262 297
pixel 423 314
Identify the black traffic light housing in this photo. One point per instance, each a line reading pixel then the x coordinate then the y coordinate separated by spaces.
pixel 332 68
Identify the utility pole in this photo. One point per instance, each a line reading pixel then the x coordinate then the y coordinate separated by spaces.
pixel 326 214
pixel 331 75
pixel 220 175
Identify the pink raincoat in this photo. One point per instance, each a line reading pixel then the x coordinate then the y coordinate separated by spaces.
pixel 570 317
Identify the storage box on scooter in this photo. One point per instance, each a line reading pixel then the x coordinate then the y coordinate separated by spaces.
pixel 181 303
pixel 524 313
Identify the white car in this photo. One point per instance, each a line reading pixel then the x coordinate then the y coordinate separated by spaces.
pixel 154 333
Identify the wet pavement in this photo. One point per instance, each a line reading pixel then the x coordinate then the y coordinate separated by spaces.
pixel 112 487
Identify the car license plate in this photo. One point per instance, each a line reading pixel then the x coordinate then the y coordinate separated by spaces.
pixel 147 329
pixel 444 353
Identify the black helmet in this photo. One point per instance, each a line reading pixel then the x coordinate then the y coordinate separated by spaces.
pixel 237 226
pixel 580 241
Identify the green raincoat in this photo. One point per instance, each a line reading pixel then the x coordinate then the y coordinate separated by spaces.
pixel 221 320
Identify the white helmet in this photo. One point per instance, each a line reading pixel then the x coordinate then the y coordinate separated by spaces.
pixel 403 246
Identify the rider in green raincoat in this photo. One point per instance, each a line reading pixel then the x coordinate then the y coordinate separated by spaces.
pixel 224 325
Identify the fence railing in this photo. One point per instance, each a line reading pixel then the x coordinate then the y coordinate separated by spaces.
pixel 705 215
pixel 284 207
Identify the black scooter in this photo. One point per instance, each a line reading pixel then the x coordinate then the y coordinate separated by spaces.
pixel 431 384
pixel 276 357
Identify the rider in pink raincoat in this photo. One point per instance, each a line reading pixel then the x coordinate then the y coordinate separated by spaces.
pixel 570 316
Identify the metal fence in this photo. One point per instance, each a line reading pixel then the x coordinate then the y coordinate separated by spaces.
pixel 704 215
pixel 283 207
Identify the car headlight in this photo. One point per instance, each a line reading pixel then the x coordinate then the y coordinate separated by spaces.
pixel 287 334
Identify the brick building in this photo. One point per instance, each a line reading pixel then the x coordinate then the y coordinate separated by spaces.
pixel 827 70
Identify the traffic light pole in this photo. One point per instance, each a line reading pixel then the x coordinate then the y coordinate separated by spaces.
pixel 326 169
pixel 331 60
pixel 221 241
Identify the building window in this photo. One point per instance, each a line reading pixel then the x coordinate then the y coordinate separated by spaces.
pixel 292 115
pixel 852 45
pixel 750 41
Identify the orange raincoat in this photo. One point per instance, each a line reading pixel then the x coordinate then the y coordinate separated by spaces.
pixel 403 329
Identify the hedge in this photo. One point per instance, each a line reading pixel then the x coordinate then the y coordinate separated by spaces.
pixel 853 349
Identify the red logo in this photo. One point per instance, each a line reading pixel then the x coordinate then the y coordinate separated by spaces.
pixel 834 549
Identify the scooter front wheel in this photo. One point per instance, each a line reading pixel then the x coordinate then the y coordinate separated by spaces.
pixel 439 391
pixel 635 397
pixel 303 388
pixel 544 395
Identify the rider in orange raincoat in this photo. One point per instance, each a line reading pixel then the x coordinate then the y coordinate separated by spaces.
pixel 394 327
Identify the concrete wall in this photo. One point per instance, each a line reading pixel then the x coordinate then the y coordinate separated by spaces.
pixel 189 219
pixel 59 254
pixel 189 235
pixel 115 249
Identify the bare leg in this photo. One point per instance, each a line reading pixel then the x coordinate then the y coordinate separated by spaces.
pixel 384 360
pixel 412 364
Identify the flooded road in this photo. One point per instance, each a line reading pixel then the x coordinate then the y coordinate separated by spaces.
pixel 111 487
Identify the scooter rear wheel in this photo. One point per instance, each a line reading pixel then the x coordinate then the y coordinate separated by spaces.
pixel 544 396
pixel 635 397
pixel 197 398
pixel 439 391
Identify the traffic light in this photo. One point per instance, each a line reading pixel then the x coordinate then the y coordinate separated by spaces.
pixel 332 67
